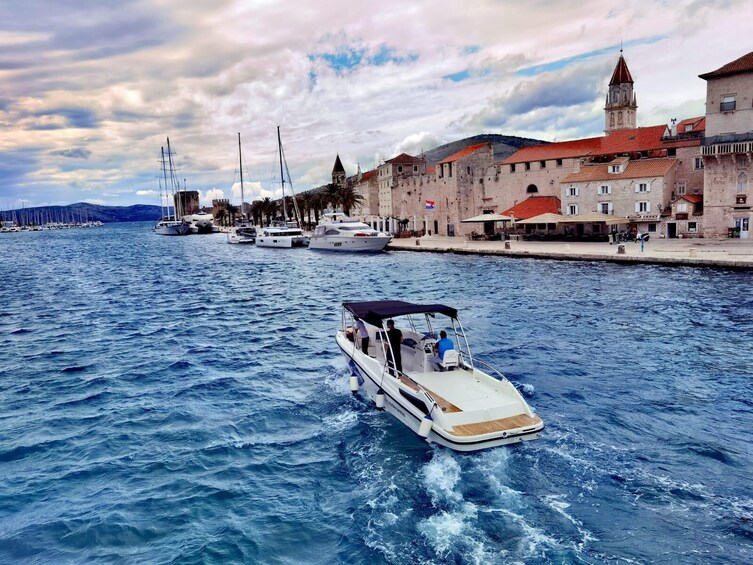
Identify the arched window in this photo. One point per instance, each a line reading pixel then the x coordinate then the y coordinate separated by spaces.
pixel 742 183
pixel 532 189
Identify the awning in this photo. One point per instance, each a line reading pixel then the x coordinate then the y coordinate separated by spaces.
pixel 594 217
pixel 547 218
pixel 374 312
pixel 487 218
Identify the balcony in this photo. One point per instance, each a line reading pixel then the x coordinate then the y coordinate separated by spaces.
pixel 681 216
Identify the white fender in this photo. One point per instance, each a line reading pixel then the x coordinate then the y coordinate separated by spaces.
pixel 425 427
pixel 354 384
pixel 379 400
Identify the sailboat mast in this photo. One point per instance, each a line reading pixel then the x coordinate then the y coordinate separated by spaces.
pixel 164 172
pixel 282 177
pixel 240 161
pixel 176 201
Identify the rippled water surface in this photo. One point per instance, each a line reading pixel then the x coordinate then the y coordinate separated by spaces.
pixel 183 400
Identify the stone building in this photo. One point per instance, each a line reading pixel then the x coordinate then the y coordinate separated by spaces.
pixel 621 105
pixel 187 202
pixel 728 148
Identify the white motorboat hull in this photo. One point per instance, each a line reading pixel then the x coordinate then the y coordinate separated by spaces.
pixel 285 241
pixel 371 244
pixel 397 401
pixel 172 228
pixel 237 236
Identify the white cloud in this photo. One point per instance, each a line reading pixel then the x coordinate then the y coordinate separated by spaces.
pixel 89 105
pixel 146 193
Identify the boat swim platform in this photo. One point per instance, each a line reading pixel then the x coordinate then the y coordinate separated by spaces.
pixel 735 254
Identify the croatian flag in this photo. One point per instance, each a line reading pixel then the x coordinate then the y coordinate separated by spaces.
pixel 429 204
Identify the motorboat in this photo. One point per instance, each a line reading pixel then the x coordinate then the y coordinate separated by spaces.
pixel 459 402
pixel 201 223
pixel 338 232
pixel 242 234
pixel 281 236
pixel 167 226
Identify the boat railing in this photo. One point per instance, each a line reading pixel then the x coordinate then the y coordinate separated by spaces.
pixel 489 370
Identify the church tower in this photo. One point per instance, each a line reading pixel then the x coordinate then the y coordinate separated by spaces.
pixel 338 173
pixel 621 103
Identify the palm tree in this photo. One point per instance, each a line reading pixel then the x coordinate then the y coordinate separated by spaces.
pixel 348 198
pixel 233 211
pixel 222 216
pixel 257 211
pixel 269 209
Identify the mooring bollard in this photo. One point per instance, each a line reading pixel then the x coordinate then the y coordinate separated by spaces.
pixel 621 250
pixel 418 242
pixel 507 245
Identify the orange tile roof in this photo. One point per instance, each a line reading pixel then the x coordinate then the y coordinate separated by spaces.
pixel 404 158
pixel 534 206
pixel 368 174
pixel 465 152
pixel 698 124
pixel 742 65
pixel 557 150
pixel 642 168
pixel 694 198
pixel 632 140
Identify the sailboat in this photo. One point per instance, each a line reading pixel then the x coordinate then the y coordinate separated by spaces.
pixel 169 224
pixel 242 232
pixel 283 234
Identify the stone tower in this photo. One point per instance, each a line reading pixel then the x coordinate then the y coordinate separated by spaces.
pixel 338 173
pixel 621 103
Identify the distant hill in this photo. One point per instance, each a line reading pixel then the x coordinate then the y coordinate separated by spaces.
pixel 504 146
pixel 83 212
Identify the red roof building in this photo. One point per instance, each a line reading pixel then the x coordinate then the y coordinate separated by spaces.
pixel 534 206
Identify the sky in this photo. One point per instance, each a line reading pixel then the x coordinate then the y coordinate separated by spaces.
pixel 91 90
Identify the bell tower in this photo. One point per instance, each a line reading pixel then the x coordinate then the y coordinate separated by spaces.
pixel 338 173
pixel 621 102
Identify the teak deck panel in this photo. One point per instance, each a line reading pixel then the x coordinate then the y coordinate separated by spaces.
pixel 491 426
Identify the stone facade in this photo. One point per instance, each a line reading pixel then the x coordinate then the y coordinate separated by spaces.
pixel 728 149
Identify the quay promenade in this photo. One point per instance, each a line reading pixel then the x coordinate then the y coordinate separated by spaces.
pixel 719 253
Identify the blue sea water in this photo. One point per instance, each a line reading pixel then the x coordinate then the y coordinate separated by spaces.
pixel 181 400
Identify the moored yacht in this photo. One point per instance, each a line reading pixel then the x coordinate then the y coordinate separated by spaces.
pixel 447 400
pixel 201 223
pixel 242 233
pixel 281 236
pixel 338 232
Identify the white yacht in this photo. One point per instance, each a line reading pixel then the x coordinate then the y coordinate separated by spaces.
pixel 242 234
pixel 169 224
pixel 337 232
pixel 281 236
pixel 201 222
pixel 459 406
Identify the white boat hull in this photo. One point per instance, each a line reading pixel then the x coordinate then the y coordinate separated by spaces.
pixel 172 228
pixel 372 244
pixel 287 241
pixel 410 406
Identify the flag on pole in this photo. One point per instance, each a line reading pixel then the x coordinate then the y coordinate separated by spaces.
pixel 429 204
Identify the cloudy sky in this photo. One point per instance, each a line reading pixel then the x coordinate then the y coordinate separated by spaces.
pixel 91 89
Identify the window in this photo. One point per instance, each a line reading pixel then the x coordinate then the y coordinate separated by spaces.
pixel 543 164
pixel 528 166
pixel 605 189
pixel 532 189
pixel 642 187
pixel 468 170
pixel 692 227
pixel 449 170
pixel 742 183
pixel 415 168
pixel 572 191
pixel 559 162
pixel 728 104
pixel 698 163
pixel 652 228
pixel 682 207
pixel 681 187
pixel 572 209
pixel 605 207
pixel 512 168
pixel 641 207
pixel 399 168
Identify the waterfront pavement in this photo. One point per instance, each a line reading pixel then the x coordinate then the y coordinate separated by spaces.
pixel 697 252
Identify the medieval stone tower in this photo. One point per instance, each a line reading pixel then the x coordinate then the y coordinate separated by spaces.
pixel 338 174
pixel 621 103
